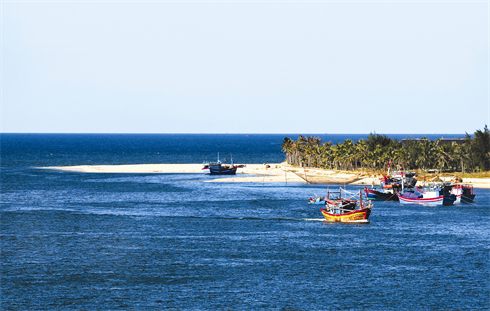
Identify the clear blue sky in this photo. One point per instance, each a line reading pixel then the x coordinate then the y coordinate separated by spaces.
pixel 245 66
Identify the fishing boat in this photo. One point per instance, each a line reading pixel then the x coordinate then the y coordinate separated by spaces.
pixel 391 185
pixel 218 168
pixel 433 194
pixel 463 192
pixel 335 200
pixel 341 209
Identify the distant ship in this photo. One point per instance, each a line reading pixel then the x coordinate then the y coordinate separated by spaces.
pixel 218 168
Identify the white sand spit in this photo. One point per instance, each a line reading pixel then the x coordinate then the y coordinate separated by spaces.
pixel 275 172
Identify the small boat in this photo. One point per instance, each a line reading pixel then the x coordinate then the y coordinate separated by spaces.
pixel 463 192
pixel 218 168
pixel 317 200
pixel 434 194
pixel 391 185
pixel 340 209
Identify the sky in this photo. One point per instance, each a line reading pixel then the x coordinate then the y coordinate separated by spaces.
pixel 245 66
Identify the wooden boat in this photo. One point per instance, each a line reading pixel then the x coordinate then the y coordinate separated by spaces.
pixel 335 200
pixel 345 204
pixel 377 195
pixel 340 209
pixel 391 185
pixel 463 192
pixel 432 195
pixel 439 200
pixel 218 168
pixel 355 216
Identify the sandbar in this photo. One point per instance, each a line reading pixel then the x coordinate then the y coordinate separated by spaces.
pixel 253 173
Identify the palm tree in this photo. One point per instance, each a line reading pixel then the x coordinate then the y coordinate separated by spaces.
pixel 377 150
pixel 287 147
pixel 361 152
pixel 399 157
pixel 376 156
pixel 480 147
pixel 443 156
pixel 427 153
pixel 461 155
pixel 327 154
pixel 338 155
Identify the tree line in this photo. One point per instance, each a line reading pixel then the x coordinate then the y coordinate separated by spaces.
pixel 379 151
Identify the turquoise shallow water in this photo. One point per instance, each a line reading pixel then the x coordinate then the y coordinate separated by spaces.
pixel 152 241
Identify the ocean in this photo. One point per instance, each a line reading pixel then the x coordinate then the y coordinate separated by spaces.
pixel 79 241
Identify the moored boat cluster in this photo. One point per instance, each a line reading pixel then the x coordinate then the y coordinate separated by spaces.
pixel 401 186
pixel 398 186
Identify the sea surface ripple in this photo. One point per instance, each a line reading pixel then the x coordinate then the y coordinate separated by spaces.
pixel 77 241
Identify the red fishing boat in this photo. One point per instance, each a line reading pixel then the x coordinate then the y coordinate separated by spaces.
pixel 339 209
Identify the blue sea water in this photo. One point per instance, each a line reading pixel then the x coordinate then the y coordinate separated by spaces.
pixel 78 241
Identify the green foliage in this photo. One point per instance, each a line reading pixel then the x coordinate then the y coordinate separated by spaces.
pixel 480 150
pixel 378 151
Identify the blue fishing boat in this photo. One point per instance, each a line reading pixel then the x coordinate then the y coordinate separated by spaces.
pixel 218 168
pixel 317 200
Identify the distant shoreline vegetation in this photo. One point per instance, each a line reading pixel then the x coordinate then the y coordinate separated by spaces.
pixel 469 154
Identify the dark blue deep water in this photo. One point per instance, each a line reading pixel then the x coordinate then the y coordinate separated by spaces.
pixel 77 241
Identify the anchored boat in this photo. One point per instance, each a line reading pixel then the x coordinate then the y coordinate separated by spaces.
pixel 463 192
pixel 391 185
pixel 218 168
pixel 434 194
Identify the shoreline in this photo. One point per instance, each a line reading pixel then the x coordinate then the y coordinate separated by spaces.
pixel 267 172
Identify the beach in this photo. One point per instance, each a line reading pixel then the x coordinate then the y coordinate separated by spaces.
pixel 267 172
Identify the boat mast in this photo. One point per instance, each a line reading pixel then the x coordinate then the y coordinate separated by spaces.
pixel 360 199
